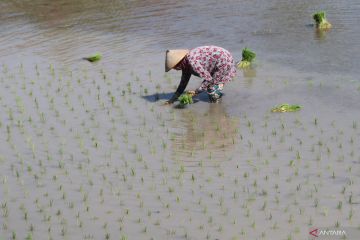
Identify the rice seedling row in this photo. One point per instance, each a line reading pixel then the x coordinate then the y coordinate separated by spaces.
pixel 91 154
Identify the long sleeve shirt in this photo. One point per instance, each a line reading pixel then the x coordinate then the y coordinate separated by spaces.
pixel 213 64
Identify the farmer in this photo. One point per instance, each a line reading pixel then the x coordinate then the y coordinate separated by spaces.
pixel 214 65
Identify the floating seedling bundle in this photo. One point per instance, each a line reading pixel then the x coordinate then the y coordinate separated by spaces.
pixel 320 21
pixel 93 58
pixel 286 108
pixel 247 57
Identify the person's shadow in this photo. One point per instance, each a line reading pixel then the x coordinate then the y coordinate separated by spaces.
pixel 157 96
pixel 202 97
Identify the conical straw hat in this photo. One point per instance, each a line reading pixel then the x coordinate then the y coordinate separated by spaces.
pixel 173 57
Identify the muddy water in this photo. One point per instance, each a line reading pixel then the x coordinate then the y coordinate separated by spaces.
pixel 87 151
pixel 63 31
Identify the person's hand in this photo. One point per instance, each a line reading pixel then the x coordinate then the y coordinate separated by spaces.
pixel 191 93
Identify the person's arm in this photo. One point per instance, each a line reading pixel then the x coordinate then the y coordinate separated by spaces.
pixel 185 77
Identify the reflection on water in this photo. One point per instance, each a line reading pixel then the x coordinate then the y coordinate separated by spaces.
pixel 320 34
pixel 205 135
pixel 249 75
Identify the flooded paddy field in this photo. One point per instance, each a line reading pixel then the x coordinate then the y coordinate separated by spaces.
pixel 88 151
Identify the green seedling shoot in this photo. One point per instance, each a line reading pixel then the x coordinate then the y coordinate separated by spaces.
pixel 320 21
pixel 286 108
pixel 247 57
pixel 93 58
pixel 185 99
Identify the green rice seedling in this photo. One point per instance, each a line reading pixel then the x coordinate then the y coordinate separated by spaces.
pixel 29 237
pixel 253 225
pixel 192 178
pixel 315 121
pixel 339 206
pixel 337 224
pixel 316 202
pixel 164 144
pixel 94 57
pixel 185 99
pixel 292 163
pixel 351 213
pixel 320 21
pixel 123 237
pixel 286 108
pixel 325 211
pixel 264 206
pixel 291 219
pixel 107 236
pixel 11 115
pixel 350 201
pixel 247 58
pixel 31 228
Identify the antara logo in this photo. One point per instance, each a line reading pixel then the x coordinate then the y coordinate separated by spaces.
pixel 327 232
pixel 314 232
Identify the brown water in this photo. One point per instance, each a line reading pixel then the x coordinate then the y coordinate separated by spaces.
pixel 125 32
pixel 87 151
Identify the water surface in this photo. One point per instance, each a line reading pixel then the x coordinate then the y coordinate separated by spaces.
pixel 87 151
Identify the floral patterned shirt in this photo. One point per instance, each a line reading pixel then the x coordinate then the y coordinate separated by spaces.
pixel 213 64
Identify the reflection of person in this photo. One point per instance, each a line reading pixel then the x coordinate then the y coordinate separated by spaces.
pixel 213 64
pixel 201 135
